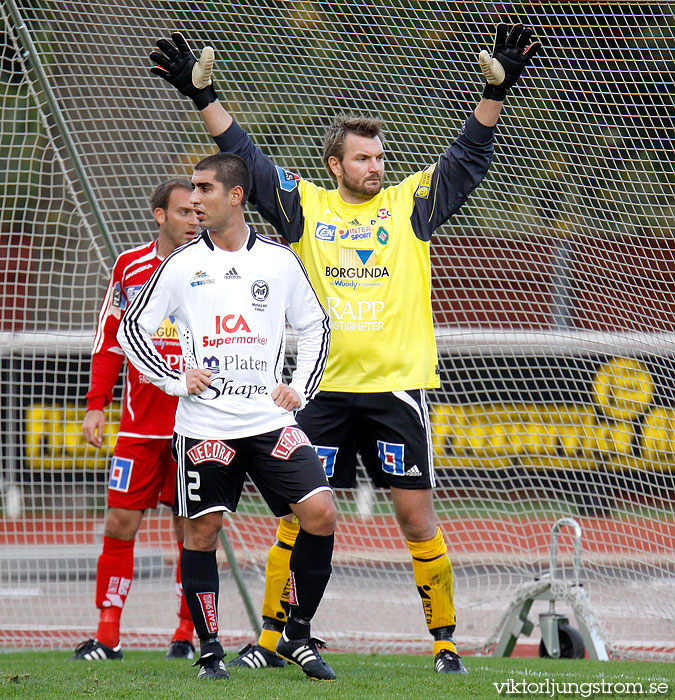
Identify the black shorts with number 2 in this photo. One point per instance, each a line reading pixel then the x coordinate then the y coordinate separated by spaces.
pixel 211 473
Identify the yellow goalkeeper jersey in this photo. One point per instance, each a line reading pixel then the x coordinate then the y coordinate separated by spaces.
pixel 369 263
pixel 375 281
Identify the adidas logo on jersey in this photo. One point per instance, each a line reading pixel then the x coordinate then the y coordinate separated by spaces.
pixel 413 471
pixel 232 275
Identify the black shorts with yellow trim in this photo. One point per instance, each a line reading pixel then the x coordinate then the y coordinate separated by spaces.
pixel 390 430
pixel 211 473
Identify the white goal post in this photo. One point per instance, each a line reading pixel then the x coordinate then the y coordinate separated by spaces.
pixel 554 299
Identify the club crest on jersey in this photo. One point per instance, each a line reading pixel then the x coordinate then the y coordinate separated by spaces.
pixel 200 277
pixel 382 235
pixel 260 290
pixel 324 232
pixel 289 441
pixel 211 451
pixel 288 181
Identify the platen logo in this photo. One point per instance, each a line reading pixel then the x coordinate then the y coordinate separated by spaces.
pixel 211 363
pixel 234 363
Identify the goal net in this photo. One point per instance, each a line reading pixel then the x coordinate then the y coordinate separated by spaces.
pixel 554 299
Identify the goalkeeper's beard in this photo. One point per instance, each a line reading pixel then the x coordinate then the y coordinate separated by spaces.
pixel 365 188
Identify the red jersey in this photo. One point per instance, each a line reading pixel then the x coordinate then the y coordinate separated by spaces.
pixel 147 411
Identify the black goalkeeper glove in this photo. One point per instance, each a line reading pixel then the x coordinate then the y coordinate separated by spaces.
pixel 179 66
pixel 509 57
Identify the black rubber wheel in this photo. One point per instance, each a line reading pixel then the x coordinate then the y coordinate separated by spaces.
pixel 571 644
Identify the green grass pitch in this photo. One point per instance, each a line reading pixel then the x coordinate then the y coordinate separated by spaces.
pixel 143 674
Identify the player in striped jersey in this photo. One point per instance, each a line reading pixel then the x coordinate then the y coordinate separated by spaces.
pixel 231 292
pixel 366 248
pixel 142 471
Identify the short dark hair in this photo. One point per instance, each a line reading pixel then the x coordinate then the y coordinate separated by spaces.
pixel 231 171
pixel 343 124
pixel 159 199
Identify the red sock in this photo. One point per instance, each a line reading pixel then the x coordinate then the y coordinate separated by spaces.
pixel 108 631
pixel 114 573
pixel 185 630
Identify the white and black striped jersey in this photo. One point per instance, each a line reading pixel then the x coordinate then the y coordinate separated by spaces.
pixel 230 309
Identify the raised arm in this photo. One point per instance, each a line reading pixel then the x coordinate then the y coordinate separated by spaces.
pixel 176 63
pixel 487 111
pixel 511 52
pixel 444 187
pixel 274 190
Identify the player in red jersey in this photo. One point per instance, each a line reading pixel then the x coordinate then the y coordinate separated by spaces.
pixel 142 471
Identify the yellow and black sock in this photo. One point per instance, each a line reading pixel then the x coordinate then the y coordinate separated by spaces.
pixel 275 602
pixel 433 576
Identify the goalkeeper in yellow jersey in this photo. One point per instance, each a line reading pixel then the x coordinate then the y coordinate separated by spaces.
pixel 366 248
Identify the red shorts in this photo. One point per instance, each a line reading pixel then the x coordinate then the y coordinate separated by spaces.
pixel 142 474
